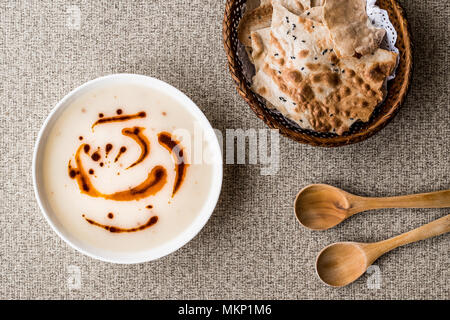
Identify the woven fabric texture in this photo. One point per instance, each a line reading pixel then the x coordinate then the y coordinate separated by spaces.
pixel 252 247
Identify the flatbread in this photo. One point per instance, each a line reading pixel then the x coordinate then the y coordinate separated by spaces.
pixel 278 16
pixel 298 72
pixel 258 53
pixel 350 28
pixel 294 6
pixel 258 18
pixel 261 16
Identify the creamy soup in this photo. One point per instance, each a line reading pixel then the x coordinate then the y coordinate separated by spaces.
pixel 119 171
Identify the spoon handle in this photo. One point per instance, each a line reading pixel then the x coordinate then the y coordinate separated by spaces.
pixel 439 199
pixel 432 229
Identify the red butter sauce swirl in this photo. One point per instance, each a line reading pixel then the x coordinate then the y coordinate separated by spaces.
pixel 137 135
pixel 153 220
pixel 120 118
pixel 154 182
pixel 167 141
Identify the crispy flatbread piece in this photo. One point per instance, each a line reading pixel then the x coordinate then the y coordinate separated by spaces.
pixel 298 72
pixel 294 6
pixel 258 18
pixel 350 28
pixel 261 16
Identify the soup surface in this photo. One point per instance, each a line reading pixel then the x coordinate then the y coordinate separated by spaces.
pixel 127 168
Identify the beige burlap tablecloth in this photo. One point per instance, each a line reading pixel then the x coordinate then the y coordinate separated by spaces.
pixel 252 247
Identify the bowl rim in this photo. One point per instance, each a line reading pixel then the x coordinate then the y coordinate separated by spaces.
pixel 371 128
pixel 149 254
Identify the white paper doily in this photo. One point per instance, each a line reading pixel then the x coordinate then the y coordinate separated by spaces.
pixel 380 19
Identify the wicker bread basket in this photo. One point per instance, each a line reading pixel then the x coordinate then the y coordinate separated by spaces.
pixel 397 88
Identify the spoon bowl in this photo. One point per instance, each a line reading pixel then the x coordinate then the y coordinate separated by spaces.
pixel 320 206
pixel 341 263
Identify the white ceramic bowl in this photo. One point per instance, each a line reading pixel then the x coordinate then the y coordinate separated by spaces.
pixel 132 257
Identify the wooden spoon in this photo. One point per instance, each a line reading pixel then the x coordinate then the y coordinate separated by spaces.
pixel 341 263
pixel 320 206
